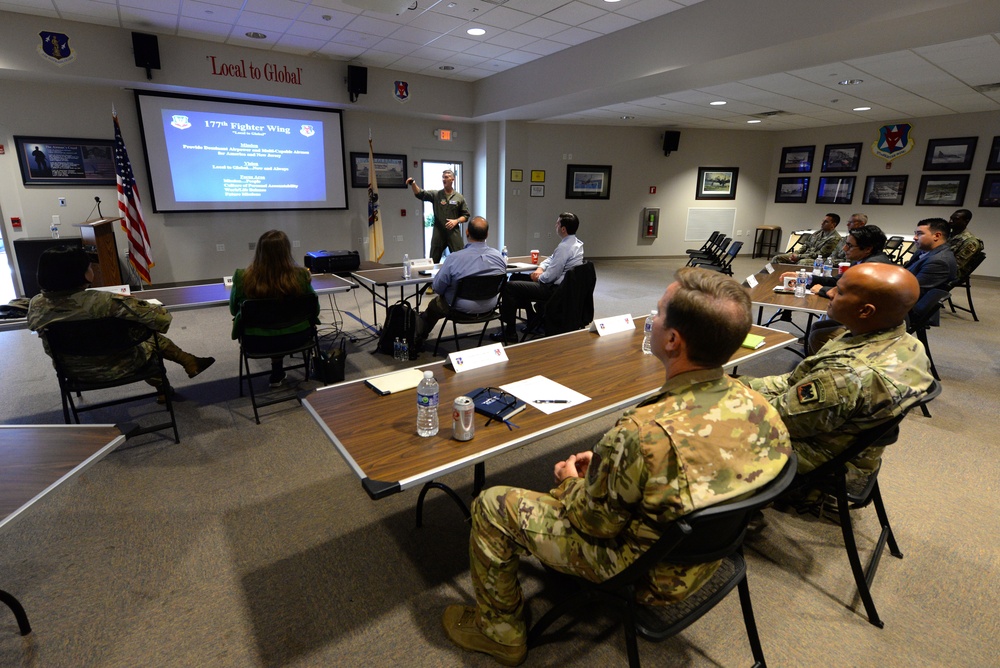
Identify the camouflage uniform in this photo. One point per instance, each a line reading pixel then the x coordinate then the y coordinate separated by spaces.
pixel 49 307
pixel 819 244
pixel 704 439
pixel 839 253
pixel 853 383
pixel 964 246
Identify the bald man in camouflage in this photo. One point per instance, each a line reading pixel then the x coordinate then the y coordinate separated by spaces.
pixel 866 377
pixel 703 439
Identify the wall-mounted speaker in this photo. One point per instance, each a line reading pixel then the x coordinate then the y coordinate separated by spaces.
pixel 671 139
pixel 146 49
pixel 357 81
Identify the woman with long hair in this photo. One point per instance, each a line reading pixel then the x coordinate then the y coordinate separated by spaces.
pixel 272 274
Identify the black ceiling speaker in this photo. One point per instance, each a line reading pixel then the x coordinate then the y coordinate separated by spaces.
pixel 147 52
pixel 357 81
pixel 671 139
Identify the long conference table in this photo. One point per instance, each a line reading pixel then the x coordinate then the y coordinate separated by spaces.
pixel 35 460
pixel 377 437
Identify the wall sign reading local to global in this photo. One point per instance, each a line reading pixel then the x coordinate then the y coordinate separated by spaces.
pixel 244 69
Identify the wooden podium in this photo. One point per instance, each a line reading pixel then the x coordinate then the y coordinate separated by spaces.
pixel 98 238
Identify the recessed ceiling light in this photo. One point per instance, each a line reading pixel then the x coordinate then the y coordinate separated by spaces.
pixel 717 103
pixel 756 120
pixel 612 0
pixel 256 35
pixel 476 31
pixel 326 17
pixel 446 68
pixel 851 82
pixel 626 117
pixel 862 108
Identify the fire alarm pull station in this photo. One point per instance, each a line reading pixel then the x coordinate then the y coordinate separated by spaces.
pixel 650 222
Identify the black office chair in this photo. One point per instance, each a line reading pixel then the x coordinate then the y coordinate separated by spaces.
pixel 706 535
pixel 72 342
pixel 276 314
pixel 965 281
pixel 831 478
pixel 570 307
pixel 923 316
pixel 475 288
pixel 725 263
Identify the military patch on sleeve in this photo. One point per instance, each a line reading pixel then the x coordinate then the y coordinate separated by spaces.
pixel 809 392
pixel 593 468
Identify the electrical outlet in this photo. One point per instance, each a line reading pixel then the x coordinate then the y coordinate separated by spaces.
pixel 220 247
pixel 537 235
pixel 739 233
pixel 62 201
pixel 296 243
pixel 55 220
pixel 252 245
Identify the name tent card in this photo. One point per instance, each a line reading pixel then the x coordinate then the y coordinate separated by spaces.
pixel 769 268
pixel 752 281
pixel 116 289
pixel 612 325
pixel 477 358
pixel 227 281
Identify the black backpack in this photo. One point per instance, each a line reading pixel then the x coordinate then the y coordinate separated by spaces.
pixel 400 322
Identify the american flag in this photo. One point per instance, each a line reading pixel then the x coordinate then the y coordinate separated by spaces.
pixel 376 245
pixel 139 252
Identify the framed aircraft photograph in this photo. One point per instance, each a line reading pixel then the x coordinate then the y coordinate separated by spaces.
pixel 588 182
pixel 885 189
pixel 841 157
pixel 835 190
pixel 717 182
pixel 942 189
pixel 796 159
pixel 955 153
pixel 792 190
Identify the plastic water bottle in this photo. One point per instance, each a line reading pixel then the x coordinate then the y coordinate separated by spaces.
pixel 503 252
pixel 647 334
pixel 55 231
pixel 404 350
pixel 396 348
pixel 800 283
pixel 818 266
pixel 427 405
pixel 406 266
pixel 828 267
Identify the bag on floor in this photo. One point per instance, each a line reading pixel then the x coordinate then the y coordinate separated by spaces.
pixel 331 363
pixel 400 322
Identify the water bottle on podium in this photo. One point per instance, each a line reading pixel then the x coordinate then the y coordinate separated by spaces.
pixel 427 405
pixel 406 266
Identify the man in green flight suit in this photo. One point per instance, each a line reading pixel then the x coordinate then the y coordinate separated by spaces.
pixel 703 439
pixel 820 244
pixel 859 380
pixel 450 211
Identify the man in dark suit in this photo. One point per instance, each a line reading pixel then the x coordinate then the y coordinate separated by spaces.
pixel 934 262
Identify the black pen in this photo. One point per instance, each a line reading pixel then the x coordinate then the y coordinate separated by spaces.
pixel 551 401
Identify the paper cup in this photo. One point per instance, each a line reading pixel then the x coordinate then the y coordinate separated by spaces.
pixel 842 267
pixel 534 256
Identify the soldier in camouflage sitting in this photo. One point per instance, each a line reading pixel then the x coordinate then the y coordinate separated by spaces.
pixel 702 440
pixel 64 274
pixel 820 244
pixel 962 242
pixel 860 380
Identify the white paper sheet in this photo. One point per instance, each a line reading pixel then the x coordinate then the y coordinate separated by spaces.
pixel 544 394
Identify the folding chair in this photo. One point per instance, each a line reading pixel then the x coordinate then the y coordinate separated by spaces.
pixel 712 253
pixel 570 307
pixel 706 535
pixel 712 238
pixel 923 316
pixel 475 288
pixel 965 282
pixel 258 319
pixel 892 247
pixel 723 264
pixel 72 342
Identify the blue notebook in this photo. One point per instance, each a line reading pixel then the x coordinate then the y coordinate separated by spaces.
pixel 495 403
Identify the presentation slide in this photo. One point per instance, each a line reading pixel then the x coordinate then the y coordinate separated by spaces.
pixel 206 154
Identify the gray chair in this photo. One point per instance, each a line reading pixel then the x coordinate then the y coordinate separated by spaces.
pixel 476 288
pixel 102 338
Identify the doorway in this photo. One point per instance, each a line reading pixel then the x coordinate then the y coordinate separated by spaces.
pixel 7 291
pixel 430 179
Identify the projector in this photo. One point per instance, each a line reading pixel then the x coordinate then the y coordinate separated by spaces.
pixel 332 262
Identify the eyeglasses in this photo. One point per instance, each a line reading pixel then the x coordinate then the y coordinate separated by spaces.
pixel 497 400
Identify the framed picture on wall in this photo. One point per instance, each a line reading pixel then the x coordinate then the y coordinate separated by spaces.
pixel 835 190
pixel 797 159
pixel 61 161
pixel 588 182
pixel 885 189
pixel 794 190
pixel 538 176
pixel 717 182
pixel 991 191
pixel 516 175
pixel 537 191
pixel 994 161
pixel 841 157
pixel 390 170
pixel 942 189
pixel 955 153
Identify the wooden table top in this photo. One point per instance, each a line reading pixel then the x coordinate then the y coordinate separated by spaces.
pixel 216 294
pixel 764 294
pixel 393 276
pixel 377 437
pixel 35 459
